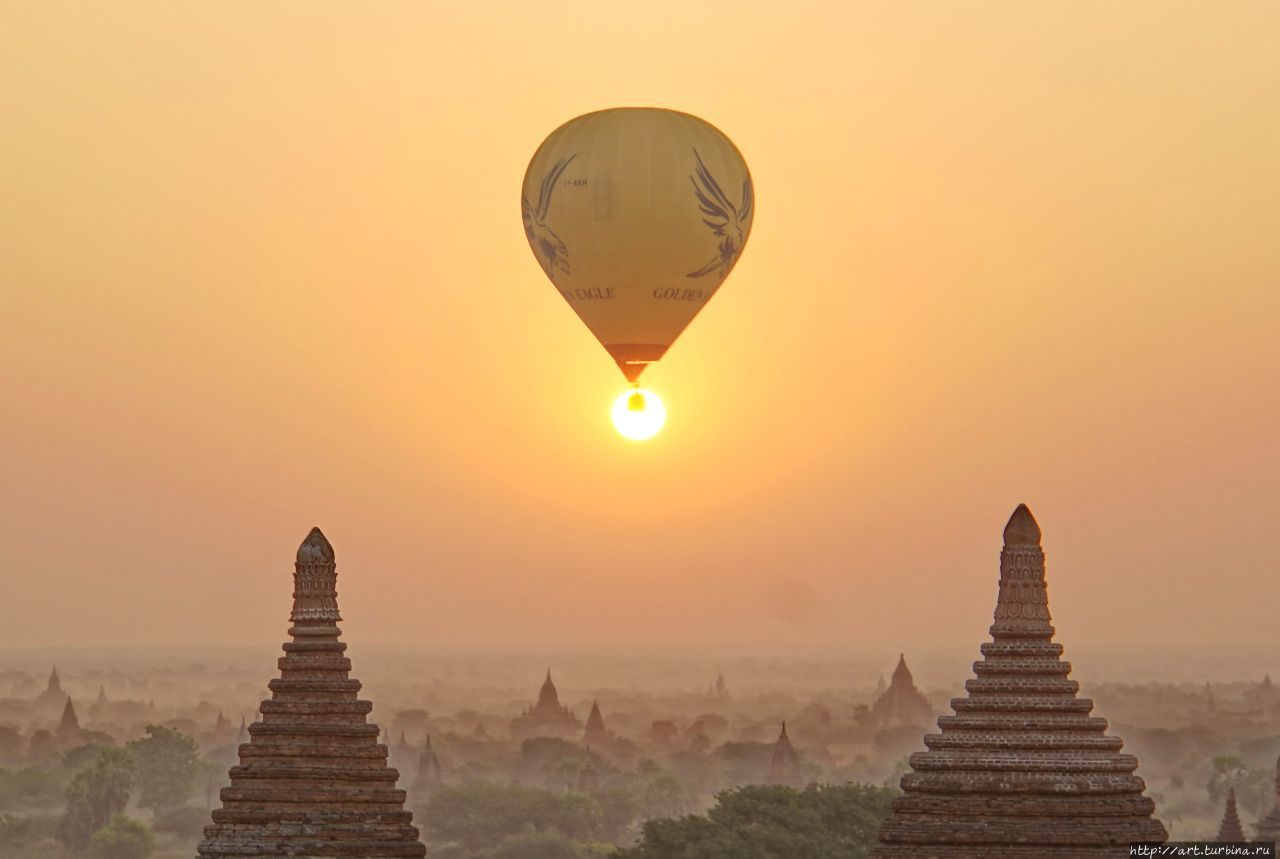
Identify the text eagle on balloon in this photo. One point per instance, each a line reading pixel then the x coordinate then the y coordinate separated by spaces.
pixel 549 247
pixel 729 223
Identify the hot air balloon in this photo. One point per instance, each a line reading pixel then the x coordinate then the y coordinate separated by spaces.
pixel 637 215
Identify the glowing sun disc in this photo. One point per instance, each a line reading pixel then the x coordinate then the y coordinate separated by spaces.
pixel 638 414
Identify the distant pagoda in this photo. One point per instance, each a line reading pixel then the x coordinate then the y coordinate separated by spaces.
pixel 53 697
pixel 784 763
pixel 1269 826
pixel 1021 771
pixel 596 733
pixel 69 724
pixel 429 774
pixel 547 718
pixel 313 779
pixel 1230 831
pixel 902 703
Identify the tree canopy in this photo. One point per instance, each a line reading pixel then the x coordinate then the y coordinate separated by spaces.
pixel 769 822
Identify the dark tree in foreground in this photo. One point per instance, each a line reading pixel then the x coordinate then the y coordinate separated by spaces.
pixel 768 822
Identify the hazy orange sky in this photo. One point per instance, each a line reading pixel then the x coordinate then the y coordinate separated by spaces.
pixel 262 268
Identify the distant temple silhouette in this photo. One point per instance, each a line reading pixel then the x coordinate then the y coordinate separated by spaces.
pixel 784 763
pixel 429 773
pixel 53 698
pixel 1022 770
pixel 596 734
pixel 313 779
pixel 69 726
pixel 547 718
pixel 902 703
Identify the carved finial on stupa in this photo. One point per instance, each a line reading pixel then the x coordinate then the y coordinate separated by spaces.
pixel 315 583
pixel 316 549
pixel 1022 530
pixel 1022 608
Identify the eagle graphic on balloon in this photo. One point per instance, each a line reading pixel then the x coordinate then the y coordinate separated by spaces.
pixel 650 250
pixel 547 246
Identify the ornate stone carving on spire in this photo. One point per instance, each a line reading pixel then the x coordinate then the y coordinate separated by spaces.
pixel 1022 770
pixel 1022 607
pixel 315 583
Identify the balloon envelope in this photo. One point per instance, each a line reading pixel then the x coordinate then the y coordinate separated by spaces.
pixel 637 215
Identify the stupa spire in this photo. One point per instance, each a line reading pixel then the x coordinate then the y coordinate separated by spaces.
pixel 315 588
pixel 313 779
pixel 1022 606
pixel 1022 770
pixel 1230 831
pixel 548 695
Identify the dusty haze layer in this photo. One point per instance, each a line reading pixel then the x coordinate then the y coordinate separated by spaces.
pixel 262 268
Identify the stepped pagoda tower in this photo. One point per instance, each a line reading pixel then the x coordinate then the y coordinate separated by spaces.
pixel 1230 831
pixel 1022 770
pixel 1269 826
pixel 784 765
pixel 313 779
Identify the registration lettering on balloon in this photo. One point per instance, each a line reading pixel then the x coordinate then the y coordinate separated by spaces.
pixel 549 247
pixel 728 222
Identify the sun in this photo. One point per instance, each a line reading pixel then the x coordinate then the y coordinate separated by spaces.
pixel 639 414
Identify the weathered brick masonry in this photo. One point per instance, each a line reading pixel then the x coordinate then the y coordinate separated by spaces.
pixel 1022 770
pixel 313 779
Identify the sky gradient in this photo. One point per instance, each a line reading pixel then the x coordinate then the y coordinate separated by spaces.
pixel 262 268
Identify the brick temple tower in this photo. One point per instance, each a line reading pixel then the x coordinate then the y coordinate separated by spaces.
pixel 1022 770
pixel 1230 831
pixel 313 779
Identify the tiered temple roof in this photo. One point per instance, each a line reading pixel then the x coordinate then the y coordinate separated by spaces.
pixel 313 779
pixel 1021 770
pixel 547 718
pixel 902 703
